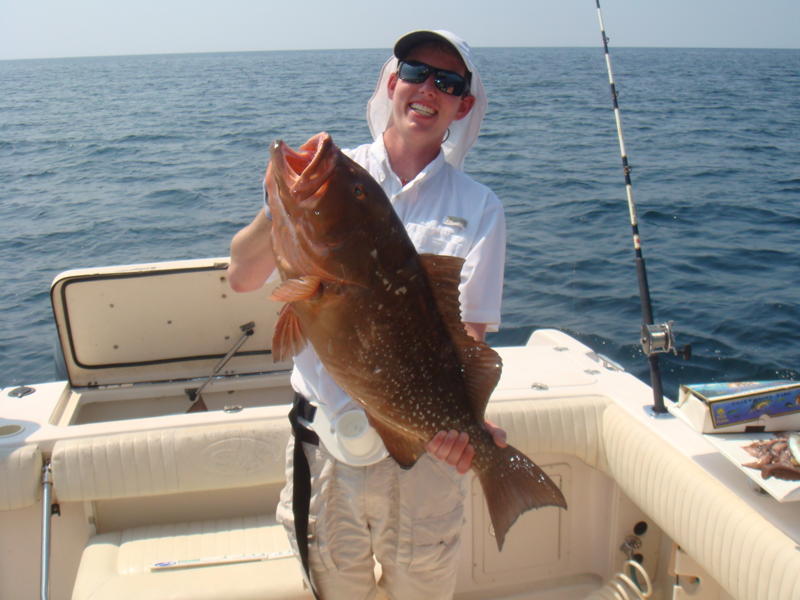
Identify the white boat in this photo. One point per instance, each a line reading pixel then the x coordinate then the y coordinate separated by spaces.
pixel 151 501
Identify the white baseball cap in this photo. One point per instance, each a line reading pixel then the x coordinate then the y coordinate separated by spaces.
pixel 463 132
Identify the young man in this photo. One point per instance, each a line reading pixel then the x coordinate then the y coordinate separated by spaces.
pixel 424 116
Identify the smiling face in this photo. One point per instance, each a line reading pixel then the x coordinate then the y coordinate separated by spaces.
pixel 421 113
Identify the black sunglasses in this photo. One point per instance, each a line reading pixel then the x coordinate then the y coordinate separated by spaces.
pixel 446 81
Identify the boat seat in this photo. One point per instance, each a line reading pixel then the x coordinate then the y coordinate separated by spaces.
pixel 213 555
pixel 120 564
pixel 20 476
pixel 170 461
pixel 747 555
pixel 555 426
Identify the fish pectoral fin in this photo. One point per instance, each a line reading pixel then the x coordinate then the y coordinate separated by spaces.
pixel 289 338
pixel 405 450
pixel 301 288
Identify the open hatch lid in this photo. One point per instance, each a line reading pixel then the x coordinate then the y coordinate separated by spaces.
pixel 160 322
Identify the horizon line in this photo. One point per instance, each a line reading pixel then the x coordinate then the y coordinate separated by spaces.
pixel 186 53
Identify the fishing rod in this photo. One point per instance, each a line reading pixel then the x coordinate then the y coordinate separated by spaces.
pixel 655 338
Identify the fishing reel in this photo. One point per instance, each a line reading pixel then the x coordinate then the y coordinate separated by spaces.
pixel 658 338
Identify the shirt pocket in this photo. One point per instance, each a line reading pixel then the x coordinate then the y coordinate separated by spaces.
pixel 435 238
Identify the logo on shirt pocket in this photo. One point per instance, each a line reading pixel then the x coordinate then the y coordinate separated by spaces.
pixel 457 222
pixel 438 239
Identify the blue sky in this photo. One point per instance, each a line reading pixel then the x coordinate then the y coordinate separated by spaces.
pixel 55 28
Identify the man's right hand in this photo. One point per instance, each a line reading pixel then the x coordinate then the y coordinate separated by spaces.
pixel 453 447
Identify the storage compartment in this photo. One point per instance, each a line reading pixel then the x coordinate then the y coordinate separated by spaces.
pixel 140 341
pixel 156 400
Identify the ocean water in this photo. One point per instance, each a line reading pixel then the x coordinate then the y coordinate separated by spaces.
pixel 122 160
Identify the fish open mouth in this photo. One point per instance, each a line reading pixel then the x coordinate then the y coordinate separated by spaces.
pixel 305 171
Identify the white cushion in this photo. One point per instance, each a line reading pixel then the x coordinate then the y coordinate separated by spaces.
pixel 170 461
pixel 20 476
pixel 119 565
pixel 554 426
pixel 747 555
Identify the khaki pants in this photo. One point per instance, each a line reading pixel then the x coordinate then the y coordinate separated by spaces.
pixel 409 520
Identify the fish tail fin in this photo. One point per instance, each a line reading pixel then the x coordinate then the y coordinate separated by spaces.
pixel 512 485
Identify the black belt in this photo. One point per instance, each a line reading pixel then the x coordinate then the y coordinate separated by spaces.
pixel 301 482
pixel 303 409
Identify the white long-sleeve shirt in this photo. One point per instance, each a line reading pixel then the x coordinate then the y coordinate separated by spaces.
pixel 445 212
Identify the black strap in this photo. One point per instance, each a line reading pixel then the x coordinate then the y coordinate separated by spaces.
pixel 301 484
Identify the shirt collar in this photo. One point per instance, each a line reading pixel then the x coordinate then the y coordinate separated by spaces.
pixel 378 151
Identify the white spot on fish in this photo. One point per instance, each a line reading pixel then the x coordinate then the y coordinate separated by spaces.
pixel 401 290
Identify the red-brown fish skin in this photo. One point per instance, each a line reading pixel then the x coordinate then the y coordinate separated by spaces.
pixel 385 321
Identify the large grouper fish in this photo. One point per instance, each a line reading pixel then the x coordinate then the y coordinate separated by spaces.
pixel 385 320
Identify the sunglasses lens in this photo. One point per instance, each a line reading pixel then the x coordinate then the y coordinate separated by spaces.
pixel 449 83
pixel 446 81
pixel 414 72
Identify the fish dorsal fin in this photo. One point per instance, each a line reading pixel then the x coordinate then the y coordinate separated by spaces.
pixel 482 365
pixel 444 276
pixel 289 338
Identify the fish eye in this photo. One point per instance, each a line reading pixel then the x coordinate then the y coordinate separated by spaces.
pixel 359 193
